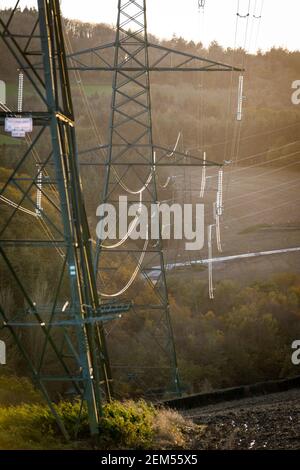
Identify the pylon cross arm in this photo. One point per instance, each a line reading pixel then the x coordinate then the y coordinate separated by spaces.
pixel 161 59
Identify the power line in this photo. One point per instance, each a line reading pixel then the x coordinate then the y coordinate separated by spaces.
pixel 289 183
pixel 258 134
pixel 277 206
pixel 276 190
pixel 271 171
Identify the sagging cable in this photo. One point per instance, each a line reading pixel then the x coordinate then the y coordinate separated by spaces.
pixel 141 190
pixel 164 186
pixel 133 277
pixel 131 227
pixel 243 16
pixel 175 147
pixel 17 206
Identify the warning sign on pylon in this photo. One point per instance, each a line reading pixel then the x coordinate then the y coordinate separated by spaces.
pixel 18 127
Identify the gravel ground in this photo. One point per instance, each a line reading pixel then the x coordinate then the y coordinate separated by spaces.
pixel 266 422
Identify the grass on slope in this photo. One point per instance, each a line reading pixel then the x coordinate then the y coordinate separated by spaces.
pixel 27 423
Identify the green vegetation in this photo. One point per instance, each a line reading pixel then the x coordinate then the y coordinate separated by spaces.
pixel 245 335
pixel 7 140
pixel 27 426
pixel 17 390
pixel 26 423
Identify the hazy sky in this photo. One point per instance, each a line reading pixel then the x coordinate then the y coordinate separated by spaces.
pixel 279 24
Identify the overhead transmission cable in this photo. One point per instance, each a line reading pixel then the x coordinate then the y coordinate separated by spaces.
pixel 251 136
pixel 119 181
pixel 17 206
pixel 132 226
pixel 285 187
pixel 277 206
pixel 96 131
pixel 235 143
pixel 218 205
pixel 23 209
pixel 230 96
pixel 259 17
pixel 34 152
pixel 133 276
pixel 201 107
pixel 259 164
pixel 176 145
pixel 290 184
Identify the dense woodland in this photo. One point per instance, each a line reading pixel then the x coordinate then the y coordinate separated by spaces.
pixel 245 334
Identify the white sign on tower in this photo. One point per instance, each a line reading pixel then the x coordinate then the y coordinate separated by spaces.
pixel 2 353
pixel 2 92
pixel 18 126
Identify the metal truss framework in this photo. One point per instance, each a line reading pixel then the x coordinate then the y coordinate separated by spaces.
pixel 61 339
pixel 131 164
pixel 67 331
pixel 160 58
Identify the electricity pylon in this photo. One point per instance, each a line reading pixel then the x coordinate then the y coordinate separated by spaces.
pixel 60 337
pixel 131 163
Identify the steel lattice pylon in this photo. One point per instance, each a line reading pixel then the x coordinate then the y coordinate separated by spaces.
pixel 130 145
pixel 67 329
pixel 130 170
pixel 61 340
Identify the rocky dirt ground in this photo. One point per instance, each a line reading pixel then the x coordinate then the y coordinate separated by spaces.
pixel 265 422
